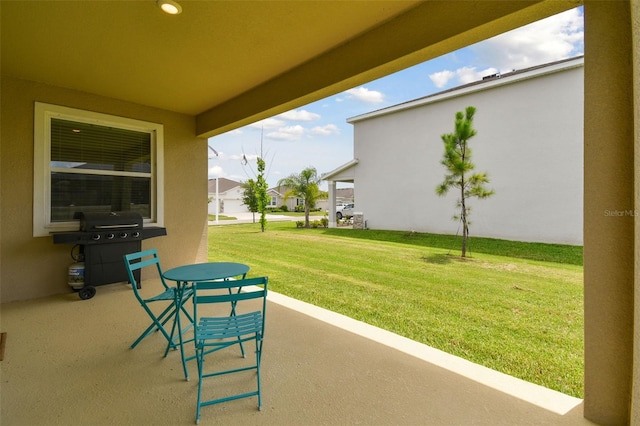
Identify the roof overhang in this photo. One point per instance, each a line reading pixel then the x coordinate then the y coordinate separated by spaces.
pixel 231 63
pixel 344 173
pixel 477 86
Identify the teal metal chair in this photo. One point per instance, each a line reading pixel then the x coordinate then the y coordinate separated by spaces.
pixel 245 323
pixel 173 298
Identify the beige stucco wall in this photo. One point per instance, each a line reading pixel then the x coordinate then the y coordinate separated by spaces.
pixel 610 263
pixel 35 267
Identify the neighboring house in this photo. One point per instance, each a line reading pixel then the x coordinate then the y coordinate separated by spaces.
pixel 277 195
pixel 529 140
pixel 344 195
pixel 277 198
pixel 229 195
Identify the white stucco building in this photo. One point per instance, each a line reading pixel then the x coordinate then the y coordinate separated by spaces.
pixel 529 140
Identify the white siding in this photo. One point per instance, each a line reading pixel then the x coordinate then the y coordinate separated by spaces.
pixel 529 140
pixel 231 201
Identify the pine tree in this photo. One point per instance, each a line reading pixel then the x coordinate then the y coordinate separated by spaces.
pixel 457 161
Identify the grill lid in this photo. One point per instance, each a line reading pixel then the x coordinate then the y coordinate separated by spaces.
pixel 95 221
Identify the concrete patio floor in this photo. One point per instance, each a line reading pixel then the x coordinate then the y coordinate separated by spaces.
pixel 68 362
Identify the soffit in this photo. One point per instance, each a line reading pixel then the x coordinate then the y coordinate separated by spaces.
pixel 233 62
pixel 186 63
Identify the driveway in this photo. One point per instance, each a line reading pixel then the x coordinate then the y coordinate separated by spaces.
pixel 246 217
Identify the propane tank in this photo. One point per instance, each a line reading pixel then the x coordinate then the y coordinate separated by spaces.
pixel 75 276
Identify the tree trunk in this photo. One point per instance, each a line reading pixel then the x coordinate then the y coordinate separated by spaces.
pixel 465 227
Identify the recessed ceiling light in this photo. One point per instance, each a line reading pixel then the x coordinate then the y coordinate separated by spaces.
pixel 169 6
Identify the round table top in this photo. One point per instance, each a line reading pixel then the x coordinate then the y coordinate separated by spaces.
pixel 208 271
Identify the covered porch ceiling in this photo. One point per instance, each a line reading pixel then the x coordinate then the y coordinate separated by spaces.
pixel 230 63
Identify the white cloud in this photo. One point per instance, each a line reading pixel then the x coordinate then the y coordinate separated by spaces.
pixel 329 129
pixel 299 115
pixel 288 133
pixel 469 74
pixel 215 171
pixel 268 123
pixel 441 78
pixel 222 156
pixel 366 95
pixel 240 157
pixel 557 37
pixel 464 75
pixel 248 157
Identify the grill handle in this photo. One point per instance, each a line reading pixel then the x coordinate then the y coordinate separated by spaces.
pixel 132 225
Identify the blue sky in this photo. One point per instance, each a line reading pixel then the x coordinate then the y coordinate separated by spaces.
pixel 317 135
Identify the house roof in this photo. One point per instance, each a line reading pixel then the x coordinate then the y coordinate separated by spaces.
pixel 487 82
pixel 279 190
pixel 339 170
pixel 344 193
pixel 231 63
pixel 224 185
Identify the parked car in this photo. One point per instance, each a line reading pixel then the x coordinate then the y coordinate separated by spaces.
pixel 340 206
pixel 346 212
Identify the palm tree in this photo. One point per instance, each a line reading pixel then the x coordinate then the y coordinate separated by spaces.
pixel 304 186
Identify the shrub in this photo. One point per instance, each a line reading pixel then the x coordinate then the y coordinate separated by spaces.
pixel 299 224
pixel 325 222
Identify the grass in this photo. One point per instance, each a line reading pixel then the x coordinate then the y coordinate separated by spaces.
pixel 212 217
pixel 300 214
pixel 513 307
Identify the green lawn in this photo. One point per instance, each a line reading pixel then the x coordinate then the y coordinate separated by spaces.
pixel 220 217
pixel 514 307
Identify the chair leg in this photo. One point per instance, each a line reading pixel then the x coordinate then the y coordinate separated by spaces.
pixel 156 325
pixel 258 362
pixel 170 343
pixel 199 361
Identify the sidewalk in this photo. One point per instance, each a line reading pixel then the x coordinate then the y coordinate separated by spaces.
pixel 249 218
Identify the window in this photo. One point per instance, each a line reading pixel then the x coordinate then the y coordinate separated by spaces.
pixel 273 201
pixel 91 162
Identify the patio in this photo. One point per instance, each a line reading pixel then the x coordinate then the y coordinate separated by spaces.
pixel 68 361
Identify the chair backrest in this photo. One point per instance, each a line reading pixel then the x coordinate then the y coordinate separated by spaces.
pixel 227 291
pixel 139 260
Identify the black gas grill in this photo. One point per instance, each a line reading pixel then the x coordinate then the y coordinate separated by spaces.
pixel 104 238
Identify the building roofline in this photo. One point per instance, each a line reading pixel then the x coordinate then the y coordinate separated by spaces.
pixel 339 169
pixel 486 83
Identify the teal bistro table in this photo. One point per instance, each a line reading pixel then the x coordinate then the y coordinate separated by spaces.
pixel 210 271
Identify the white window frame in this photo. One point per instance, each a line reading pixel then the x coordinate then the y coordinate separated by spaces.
pixel 42 225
